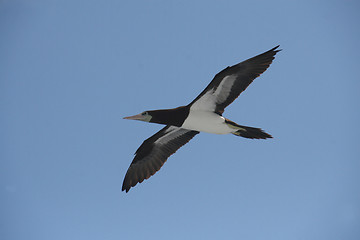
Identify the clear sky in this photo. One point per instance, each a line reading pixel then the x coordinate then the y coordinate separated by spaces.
pixel 70 70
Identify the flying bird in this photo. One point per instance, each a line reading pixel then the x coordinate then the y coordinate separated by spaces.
pixel 203 114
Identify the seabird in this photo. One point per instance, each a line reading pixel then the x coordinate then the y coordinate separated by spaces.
pixel 203 114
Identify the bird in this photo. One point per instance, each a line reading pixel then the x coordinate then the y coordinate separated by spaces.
pixel 203 114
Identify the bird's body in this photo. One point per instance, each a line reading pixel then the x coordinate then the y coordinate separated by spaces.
pixel 203 114
pixel 206 121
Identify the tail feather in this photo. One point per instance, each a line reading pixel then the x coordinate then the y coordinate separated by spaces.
pixel 250 132
pixel 247 132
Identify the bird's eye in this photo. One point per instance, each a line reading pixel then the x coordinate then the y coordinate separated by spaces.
pixel 144 113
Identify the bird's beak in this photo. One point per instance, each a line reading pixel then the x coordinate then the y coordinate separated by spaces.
pixel 135 117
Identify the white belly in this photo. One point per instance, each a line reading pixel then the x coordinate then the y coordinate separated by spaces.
pixel 206 122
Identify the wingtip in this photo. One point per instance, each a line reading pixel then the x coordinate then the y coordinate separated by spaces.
pixel 126 186
pixel 126 189
pixel 275 49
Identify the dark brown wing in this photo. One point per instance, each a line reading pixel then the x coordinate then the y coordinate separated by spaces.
pixel 230 82
pixel 154 152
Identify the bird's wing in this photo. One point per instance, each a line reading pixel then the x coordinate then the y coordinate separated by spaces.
pixel 154 152
pixel 230 82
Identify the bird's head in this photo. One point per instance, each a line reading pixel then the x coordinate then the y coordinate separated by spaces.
pixel 172 116
pixel 144 116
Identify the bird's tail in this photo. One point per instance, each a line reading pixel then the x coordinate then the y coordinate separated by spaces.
pixel 248 132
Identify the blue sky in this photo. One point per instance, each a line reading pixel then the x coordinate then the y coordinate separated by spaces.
pixel 70 70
